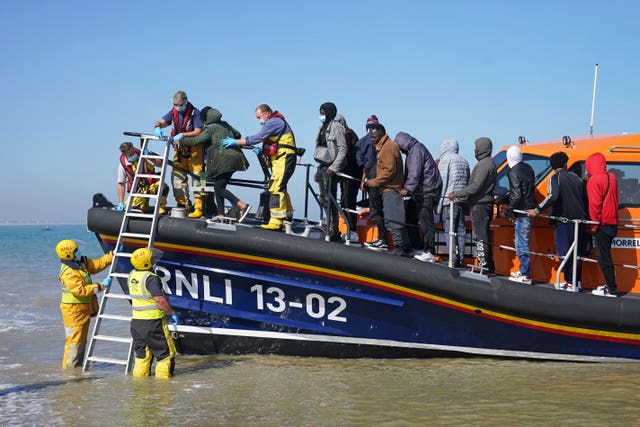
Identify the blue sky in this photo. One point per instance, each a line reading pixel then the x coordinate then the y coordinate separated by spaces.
pixel 75 75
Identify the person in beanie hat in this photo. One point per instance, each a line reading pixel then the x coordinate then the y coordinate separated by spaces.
pixel 366 157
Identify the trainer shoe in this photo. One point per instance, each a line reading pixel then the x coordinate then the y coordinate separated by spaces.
pixel 425 257
pixel 518 277
pixel 353 237
pixel 566 286
pixel 603 291
pixel 377 245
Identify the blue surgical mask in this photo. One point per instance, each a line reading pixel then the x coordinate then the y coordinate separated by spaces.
pixel 181 108
pixel 262 122
pixel 322 118
pixel 133 158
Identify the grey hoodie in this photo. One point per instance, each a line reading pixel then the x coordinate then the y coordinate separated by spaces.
pixel 483 176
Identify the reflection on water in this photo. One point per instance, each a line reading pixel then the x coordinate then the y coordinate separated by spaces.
pixel 271 390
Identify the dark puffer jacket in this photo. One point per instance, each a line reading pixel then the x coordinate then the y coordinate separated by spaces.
pixel 423 177
pixel 522 187
pixel 219 159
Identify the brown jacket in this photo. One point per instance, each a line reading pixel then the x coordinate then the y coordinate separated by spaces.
pixel 390 172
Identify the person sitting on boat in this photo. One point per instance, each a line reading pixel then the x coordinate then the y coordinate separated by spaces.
pixel 221 162
pixel 186 122
pixel 389 180
pixel 149 331
pixel 423 184
pixel 366 158
pixel 331 154
pixel 479 193
pixel 279 145
pixel 602 193
pixel 522 186
pixel 129 163
pixel 79 302
pixel 566 197
pixel 454 171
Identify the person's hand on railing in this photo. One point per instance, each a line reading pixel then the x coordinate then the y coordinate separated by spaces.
pixel 158 132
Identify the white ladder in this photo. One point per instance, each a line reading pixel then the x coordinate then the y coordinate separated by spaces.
pixel 119 270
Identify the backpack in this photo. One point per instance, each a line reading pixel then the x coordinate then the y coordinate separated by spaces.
pixel 352 167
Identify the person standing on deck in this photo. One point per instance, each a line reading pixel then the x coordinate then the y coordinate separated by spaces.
pixel 79 301
pixel 423 184
pixel 602 192
pixel 389 179
pixel 279 145
pixel 366 158
pixel 185 119
pixel 479 193
pixel 331 154
pixel 522 185
pixel 566 197
pixel 149 331
pixel 454 171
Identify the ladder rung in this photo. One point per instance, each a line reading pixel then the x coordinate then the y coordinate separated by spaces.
pixel 139 235
pixel 124 275
pixel 112 338
pixel 117 296
pixel 145 195
pixel 151 156
pixel 122 254
pixel 116 317
pixel 140 215
pixel 108 360
pixel 148 175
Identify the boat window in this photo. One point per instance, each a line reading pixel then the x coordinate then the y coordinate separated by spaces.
pixel 628 176
pixel 540 165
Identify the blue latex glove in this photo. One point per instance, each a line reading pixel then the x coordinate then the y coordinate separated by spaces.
pixel 175 319
pixel 158 131
pixel 257 150
pixel 145 151
pixel 176 138
pixel 120 247
pixel 229 142
pixel 120 206
pixel 106 282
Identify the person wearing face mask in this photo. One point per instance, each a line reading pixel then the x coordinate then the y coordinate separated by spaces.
pixel 186 122
pixel 129 163
pixel 331 154
pixel 279 145
pixel 79 302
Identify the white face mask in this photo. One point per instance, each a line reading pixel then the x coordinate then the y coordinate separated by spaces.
pixel 322 118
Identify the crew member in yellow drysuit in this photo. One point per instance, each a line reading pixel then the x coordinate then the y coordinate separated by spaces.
pixel 79 302
pixel 149 329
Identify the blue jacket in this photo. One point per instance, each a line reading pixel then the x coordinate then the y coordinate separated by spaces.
pixel 366 155
pixel 423 178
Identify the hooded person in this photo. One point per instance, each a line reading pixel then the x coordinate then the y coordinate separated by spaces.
pixel 349 186
pixel 602 193
pixel 522 184
pixel 454 171
pixel 423 184
pixel 331 154
pixel 479 194
pixel 222 163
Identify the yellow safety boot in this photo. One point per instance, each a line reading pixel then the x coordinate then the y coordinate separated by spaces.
pixel 181 201
pixel 164 367
pixel 142 367
pixel 197 207
pixel 273 224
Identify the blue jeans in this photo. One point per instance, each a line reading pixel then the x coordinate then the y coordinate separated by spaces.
pixel 522 228
pixel 459 226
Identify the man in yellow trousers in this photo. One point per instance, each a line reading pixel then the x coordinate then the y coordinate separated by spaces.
pixel 79 301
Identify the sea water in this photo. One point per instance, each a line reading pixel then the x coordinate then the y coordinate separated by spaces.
pixel 272 390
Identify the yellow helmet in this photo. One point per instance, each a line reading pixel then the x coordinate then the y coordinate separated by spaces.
pixel 143 259
pixel 66 249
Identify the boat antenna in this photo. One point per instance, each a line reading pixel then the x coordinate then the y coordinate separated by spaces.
pixel 593 99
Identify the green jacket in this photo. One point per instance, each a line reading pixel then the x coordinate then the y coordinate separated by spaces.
pixel 219 159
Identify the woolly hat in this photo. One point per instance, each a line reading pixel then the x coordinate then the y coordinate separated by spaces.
pixel 371 121
pixel 514 156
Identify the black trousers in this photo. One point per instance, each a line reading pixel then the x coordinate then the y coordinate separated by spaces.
pixel 604 236
pixel 481 215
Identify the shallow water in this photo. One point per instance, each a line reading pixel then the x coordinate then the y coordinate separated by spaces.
pixel 274 390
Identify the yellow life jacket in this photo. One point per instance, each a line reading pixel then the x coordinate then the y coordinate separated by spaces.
pixel 142 303
pixel 68 297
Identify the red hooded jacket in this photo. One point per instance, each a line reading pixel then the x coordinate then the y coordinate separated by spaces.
pixel 603 203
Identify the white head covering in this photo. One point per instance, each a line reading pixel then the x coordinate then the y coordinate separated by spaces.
pixel 514 155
